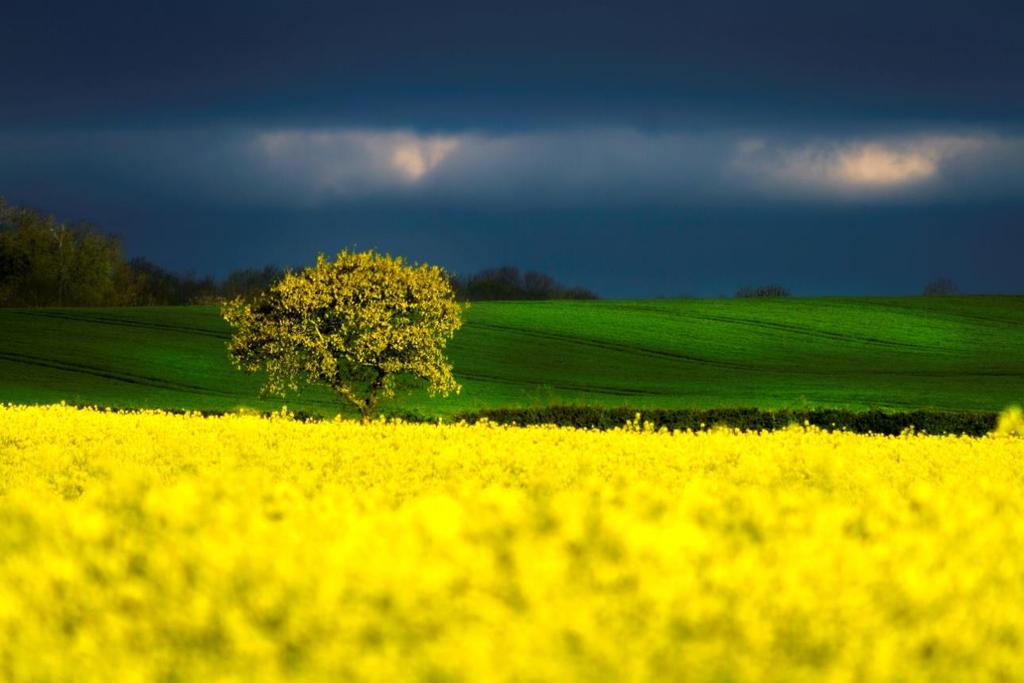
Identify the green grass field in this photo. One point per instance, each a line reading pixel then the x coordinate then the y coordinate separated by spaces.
pixel 892 353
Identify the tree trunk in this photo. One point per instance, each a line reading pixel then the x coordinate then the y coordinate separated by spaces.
pixel 371 398
pixel 366 406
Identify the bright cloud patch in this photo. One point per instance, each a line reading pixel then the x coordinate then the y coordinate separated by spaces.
pixel 346 162
pixel 885 164
pixel 416 158
pixel 874 164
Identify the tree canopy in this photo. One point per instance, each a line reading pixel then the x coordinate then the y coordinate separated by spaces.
pixel 355 323
pixel 46 263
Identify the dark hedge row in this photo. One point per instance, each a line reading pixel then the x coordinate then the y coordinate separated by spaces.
pixel 873 421
pixel 869 422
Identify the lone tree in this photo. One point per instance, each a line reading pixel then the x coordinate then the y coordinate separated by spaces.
pixel 355 323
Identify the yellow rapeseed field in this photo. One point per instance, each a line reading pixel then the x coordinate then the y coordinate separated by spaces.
pixel 179 548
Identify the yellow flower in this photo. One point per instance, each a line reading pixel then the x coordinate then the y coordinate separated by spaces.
pixel 151 546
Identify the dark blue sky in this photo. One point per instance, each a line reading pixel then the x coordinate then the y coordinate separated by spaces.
pixel 640 149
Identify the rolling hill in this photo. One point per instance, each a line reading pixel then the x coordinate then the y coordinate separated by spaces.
pixel 892 353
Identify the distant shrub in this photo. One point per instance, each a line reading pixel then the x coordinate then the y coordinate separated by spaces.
pixel 763 292
pixel 249 282
pixel 507 283
pixel 154 285
pixel 942 286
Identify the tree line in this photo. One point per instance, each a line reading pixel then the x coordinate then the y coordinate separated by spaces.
pixel 507 283
pixel 47 263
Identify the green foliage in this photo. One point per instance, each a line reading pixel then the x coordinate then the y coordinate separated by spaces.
pixel 355 324
pixel 45 263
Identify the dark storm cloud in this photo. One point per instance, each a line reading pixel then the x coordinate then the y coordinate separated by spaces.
pixel 511 64
pixel 638 148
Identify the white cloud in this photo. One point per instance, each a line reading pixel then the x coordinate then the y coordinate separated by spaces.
pixel 593 166
pixel 620 164
pixel 860 166
pixel 350 161
pixel 550 166
pixel 877 165
pixel 415 158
